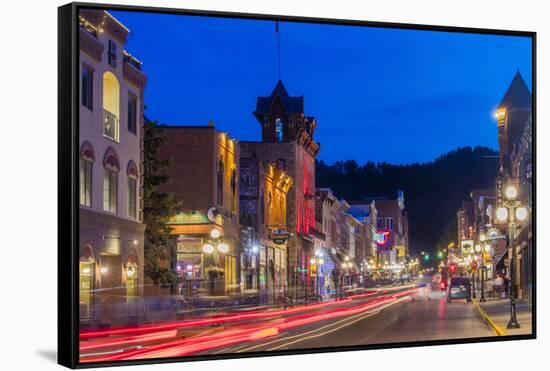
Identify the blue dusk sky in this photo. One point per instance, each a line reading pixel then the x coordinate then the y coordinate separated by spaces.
pixel 378 94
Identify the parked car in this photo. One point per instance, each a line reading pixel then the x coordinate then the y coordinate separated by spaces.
pixel 459 288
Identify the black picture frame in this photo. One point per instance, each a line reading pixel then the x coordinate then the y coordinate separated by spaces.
pixel 68 204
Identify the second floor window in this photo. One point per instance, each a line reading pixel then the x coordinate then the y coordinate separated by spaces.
pixel 132 114
pixel 85 182
pixel 262 207
pixel 389 224
pixel 132 197
pixel 87 87
pixel 220 182
pixel 234 190
pixel 110 190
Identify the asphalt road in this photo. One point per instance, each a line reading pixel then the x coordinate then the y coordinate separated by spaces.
pixel 389 315
pixel 422 316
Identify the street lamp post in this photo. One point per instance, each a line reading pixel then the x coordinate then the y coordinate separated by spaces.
pixel 482 278
pixel 473 283
pixel 317 261
pixel 512 210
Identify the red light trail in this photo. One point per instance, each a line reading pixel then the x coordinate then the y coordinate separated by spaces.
pixel 187 346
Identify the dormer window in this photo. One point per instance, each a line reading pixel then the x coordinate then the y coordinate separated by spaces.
pixel 279 130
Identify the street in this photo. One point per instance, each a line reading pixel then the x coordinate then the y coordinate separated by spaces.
pixel 390 314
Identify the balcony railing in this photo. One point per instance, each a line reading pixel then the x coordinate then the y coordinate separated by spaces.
pixel 136 63
pixel 110 125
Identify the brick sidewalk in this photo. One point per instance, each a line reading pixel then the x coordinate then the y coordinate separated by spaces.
pixel 498 310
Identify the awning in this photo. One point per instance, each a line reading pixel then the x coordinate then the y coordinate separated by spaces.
pixel 500 261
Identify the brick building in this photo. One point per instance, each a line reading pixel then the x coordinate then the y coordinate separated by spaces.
pixel 392 218
pixel 204 178
pixel 465 227
pixel 288 141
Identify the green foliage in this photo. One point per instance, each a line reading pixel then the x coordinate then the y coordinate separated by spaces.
pixel 157 207
pixel 434 191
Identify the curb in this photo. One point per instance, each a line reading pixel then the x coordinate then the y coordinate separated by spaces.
pixel 500 331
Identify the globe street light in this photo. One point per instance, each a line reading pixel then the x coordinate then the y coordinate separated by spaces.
pixel 511 192
pixel 208 248
pixel 215 233
pixel 511 210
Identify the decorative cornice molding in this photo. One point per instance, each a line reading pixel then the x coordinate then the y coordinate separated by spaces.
pixel 133 75
pixel 91 45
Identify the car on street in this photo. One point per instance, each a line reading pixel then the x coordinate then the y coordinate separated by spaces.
pixel 459 288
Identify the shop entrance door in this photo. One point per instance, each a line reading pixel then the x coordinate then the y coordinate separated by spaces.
pixel 131 282
pixel 86 288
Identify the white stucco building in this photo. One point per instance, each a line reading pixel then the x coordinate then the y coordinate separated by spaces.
pixel 110 132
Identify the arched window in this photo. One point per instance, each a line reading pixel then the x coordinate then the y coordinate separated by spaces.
pixel 86 281
pixel 220 172
pixel 87 158
pixel 132 173
pixel 279 130
pixel 110 180
pixel 234 190
pixel 111 106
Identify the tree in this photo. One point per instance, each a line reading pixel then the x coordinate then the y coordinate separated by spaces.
pixel 157 208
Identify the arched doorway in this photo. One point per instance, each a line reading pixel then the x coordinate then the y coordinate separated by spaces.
pixel 86 281
pixel 111 106
pixel 132 276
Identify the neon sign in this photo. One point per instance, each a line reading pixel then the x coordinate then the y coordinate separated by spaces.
pixel 381 238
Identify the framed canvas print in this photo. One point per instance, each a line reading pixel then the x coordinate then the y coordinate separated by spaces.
pixel 239 185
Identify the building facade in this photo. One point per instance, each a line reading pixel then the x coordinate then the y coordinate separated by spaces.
pixel 465 228
pixel 367 214
pixel 393 231
pixel 263 208
pixel 110 137
pixel 515 131
pixel 204 178
pixel 288 141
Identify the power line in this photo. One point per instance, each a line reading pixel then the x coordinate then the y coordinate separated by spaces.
pixel 278 47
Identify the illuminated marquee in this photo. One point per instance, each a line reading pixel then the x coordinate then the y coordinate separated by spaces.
pixel 196 217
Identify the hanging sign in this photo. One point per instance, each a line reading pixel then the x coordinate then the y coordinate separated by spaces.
pixel 494 234
pixel 279 236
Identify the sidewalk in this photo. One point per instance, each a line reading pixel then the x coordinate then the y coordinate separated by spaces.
pixel 496 312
